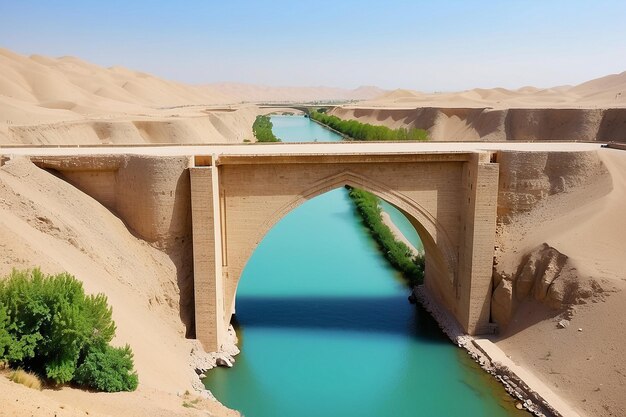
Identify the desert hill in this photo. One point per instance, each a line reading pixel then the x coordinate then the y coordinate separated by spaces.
pixel 594 110
pixel 252 93
pixel 604 92
pixel 67 100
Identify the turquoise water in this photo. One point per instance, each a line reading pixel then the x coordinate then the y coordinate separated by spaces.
pixel 403 224
pixel 325 329
pixel 301 129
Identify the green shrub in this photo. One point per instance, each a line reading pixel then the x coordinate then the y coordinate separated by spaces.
pixel 106 368
pixel 5 337
pixel 262 129
pixel 366 131
pixel 397 253
pixel 48 325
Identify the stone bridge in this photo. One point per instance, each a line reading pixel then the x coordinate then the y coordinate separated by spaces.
pixel 450 192
pixel 450 198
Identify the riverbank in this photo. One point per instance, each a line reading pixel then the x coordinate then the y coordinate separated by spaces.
pixel 395 252
pixel 533 395
pixel 397 233
pixel 355 130
pixel 343 136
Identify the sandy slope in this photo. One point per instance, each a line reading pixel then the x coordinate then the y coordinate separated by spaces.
pixel 587 225
pixel 48 223
pixel 66 100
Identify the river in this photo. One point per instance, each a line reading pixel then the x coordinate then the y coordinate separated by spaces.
pixel 325 328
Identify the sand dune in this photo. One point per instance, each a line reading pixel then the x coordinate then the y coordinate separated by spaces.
pixel 37 79
pixel 258 94
pixel 66 100
pixel 605 92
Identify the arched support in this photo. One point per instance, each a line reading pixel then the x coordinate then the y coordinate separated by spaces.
pixel 450 198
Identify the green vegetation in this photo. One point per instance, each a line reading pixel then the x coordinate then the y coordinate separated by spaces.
pixel 27 379
pixel 107 368
pixel 262 129
pixel 365 131
pixel 396 252
pixel 49 326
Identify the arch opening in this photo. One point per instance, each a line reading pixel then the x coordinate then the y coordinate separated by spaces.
pixel 440 256
pixel 310 329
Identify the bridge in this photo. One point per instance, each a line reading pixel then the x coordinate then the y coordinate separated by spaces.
pixel 236 194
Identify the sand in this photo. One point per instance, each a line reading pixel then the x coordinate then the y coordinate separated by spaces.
pixel 251 93
pixel 587 224
pixel 489 124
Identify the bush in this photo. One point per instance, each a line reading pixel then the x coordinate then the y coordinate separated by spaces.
pixel 48 325
pixel 106 368
pixel 366 131
pixel 27 379
pixel 5 337
pixel 397 253
pixel 262 129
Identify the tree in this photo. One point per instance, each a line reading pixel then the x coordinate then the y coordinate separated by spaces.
pixel 365 131
pixel 48 324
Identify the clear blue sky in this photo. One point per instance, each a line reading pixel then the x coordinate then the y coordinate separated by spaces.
pixel 430 45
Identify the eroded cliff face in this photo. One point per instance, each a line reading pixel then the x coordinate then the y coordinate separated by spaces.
pixel 536 191
pixel 528 178
pixel 181 126
pixel 489 124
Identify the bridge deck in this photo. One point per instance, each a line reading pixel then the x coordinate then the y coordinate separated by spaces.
pixel 338 148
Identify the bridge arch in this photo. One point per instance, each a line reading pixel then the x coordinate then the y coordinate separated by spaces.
pixel 449 198
pixel 440 255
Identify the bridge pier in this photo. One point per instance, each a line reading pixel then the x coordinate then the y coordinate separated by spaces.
pixel 207 257
pixel 477 247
